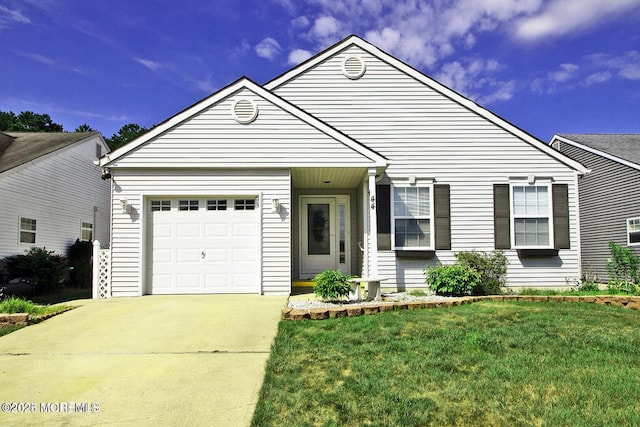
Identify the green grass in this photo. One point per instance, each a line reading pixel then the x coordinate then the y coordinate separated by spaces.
pixel 488 363
pixel 529 291
pixel 19 305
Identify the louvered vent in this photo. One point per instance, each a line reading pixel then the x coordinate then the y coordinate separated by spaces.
pixel 244 111
pixel 353 67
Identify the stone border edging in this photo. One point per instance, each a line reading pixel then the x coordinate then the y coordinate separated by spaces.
pixel 23 319
pixel 288 313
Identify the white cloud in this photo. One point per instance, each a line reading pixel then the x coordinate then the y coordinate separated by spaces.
pixel 297 56
pixel 9 16
pixel 300 22
pixel 473 79
pixel 560 17
pixel 151 65
pixel 325 26
pixel 268 48
pixel 36 57
pixel 596 78
pixel 626 65
pixel 566 72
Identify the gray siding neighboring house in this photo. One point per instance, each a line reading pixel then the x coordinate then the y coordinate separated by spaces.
pixel 609 194
pixel 51 192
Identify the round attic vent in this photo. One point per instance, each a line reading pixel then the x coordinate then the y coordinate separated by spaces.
pixel 244 111
pixel 353 67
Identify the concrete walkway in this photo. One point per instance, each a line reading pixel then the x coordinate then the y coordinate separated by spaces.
pixel 153 360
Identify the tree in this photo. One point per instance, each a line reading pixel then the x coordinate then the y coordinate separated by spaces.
pixel 28 121
pixel 85 128
pixel 126 133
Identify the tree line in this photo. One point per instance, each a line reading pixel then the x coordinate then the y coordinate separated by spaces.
pixel 28 121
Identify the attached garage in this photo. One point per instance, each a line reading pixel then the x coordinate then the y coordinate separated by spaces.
pixel 203 245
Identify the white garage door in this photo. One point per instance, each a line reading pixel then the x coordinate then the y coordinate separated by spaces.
pixel 203 246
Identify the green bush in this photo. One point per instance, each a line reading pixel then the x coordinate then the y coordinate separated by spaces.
pixel 45 268
pixel 79 255
pixel 332 285
pixel 624 269
pixel 453 280
pixel 492 268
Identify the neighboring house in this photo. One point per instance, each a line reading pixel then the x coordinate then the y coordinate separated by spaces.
pixel 609 197
pixel 352 160
pixel 51 192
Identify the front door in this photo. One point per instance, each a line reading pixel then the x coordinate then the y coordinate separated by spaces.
pixel 324 235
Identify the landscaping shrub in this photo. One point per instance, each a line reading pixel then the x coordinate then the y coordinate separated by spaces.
pixel 79 255
pixel 492 268
pixel 332 285
pixel 46 269
pixel 453 280
pixel 624 269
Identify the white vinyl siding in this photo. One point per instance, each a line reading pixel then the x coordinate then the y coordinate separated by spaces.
pixel 128 260
pixel 275 139
pixel 60 191
pixel 426 134
pixel 633 231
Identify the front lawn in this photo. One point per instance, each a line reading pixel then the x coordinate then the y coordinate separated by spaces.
pixel 35 311
pixel 487 363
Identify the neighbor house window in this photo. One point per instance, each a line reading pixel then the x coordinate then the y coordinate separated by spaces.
pixel 412 217
pixel 188 205
pixel 531 216
pixel 27 230
pixel 633 231
pixel 87 231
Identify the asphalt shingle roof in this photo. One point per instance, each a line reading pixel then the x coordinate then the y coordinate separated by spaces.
pixel 17 148
pixel 623 146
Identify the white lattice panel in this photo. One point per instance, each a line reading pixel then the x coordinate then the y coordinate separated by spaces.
pixel 104 273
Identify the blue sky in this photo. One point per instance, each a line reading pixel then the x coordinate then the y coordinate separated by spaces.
pixel 547 66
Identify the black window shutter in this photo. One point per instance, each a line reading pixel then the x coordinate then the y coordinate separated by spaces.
pixel 561 238
pixel 501 216
pixel 383 215
pixel 442 216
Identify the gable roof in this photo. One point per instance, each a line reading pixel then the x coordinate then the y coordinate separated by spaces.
pixel 18 148
pixel 354 40
pixel 243 83
pixel 622 148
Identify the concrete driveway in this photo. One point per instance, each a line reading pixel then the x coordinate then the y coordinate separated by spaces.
pixel 152 360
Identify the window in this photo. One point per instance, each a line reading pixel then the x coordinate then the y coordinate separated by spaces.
pixel 188 205
pixel 160 205
pixel 633 231
pixel 531 215
pixel 87 231
pixel 245 204
pixel 98 150
pixel 27 230
pixel 217 205
pixel 412 217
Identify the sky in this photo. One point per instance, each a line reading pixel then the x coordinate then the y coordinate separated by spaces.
pixel 546 66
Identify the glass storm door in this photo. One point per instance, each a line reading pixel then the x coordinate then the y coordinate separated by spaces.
pixel 323 235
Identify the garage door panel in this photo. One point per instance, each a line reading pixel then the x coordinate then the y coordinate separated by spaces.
pixel 203 251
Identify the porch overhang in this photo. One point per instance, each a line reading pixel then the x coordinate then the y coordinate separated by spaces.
pixel 330 177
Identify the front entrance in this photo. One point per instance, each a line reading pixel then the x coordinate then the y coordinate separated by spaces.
pixel 324 235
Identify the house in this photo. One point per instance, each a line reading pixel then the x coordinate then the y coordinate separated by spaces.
pixel 609 199
pixel 352 160
pixel 51 192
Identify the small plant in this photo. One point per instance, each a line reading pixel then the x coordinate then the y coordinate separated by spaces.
pixel 418 293
pixel 453 280
pixel 332 285
pixel 492 268
pixel 624 269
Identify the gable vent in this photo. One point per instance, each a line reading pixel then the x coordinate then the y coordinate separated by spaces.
pixel 244 111
pixel 353 67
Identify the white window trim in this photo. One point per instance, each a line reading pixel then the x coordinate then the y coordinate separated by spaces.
pixel 82 229
pixel 629 231
pixel 394 247
pixel 21 230
pixel 549 213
